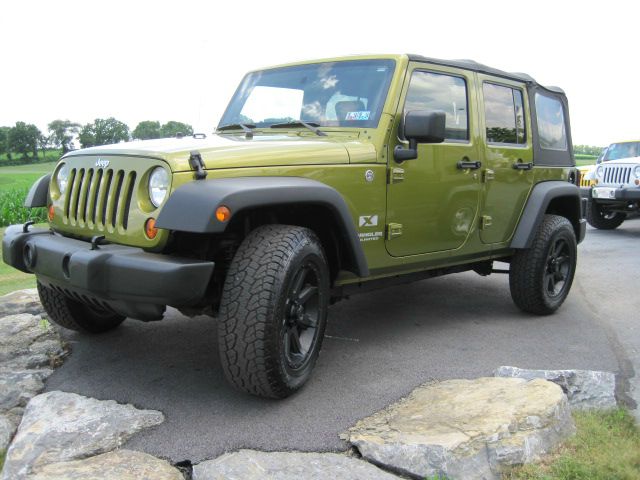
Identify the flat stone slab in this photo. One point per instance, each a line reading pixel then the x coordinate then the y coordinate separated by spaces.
pixel 585 389
pixel 254 465
pixel 116 465
pixel 59 427
pixel 466 429
pixel 21 301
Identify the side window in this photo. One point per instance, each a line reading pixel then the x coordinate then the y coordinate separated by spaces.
pixel 504 114
pixel 550 117
pixel 447 93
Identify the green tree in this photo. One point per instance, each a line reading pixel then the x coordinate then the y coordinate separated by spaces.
pixel 4 137
pixel 172 128
pixel 24 138
pixel 103 131
pixel 45 142
pixel 61 133
pixel 146 130
pixel 587 149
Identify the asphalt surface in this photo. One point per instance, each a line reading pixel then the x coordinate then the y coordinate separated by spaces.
pixel 379 346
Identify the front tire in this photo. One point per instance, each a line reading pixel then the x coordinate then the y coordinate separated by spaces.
pixel 602 219
pixel 540 277
pixel 74 315
pixel 273 311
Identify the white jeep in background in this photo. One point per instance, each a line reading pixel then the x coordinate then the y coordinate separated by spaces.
pixel 616 189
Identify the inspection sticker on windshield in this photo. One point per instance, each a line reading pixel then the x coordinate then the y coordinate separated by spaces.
pixel 363 115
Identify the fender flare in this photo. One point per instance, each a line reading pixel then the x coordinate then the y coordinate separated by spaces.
pixel 38 195
pixel 191 207
pixel 541 196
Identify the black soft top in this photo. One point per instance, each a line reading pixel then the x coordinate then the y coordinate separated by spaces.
pixel 481 68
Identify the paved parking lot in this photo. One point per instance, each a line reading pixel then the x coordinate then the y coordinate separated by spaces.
pixel 379 346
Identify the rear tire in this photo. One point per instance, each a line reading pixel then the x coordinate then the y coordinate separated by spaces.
pixel 540 277
pixel 273 311
pixel 74 315
pixel 601 219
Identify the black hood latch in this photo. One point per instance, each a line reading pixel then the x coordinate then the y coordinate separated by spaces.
pixel 196 163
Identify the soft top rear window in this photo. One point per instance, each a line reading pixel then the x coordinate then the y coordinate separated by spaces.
pixel 551 124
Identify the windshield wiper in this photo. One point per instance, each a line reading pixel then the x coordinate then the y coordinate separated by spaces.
pixel 247 128
pixel 299 123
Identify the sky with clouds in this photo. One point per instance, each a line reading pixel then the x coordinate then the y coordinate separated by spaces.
pixel 155 60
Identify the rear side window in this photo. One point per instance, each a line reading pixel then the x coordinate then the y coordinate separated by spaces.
pixel 439 92
pixel 551 124
pixel 504 114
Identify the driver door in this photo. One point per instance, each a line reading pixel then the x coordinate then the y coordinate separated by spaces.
pixel 432 201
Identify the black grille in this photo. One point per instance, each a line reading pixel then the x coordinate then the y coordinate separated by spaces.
pixel 99 198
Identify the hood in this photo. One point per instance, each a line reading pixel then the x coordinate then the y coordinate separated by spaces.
pixel 233 151
pixel 623 161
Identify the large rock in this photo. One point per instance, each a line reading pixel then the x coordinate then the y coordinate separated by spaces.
pixel 585 389
pixel 7 429
pixel 27 342
pixel 254 465
pixel 467 429
pixel 116 465
pixel 21 301
pixel 17 388
pixel 59 427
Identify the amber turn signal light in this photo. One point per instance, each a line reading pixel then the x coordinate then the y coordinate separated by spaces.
pixel 223 213
pixel 51 212
pixel 150 228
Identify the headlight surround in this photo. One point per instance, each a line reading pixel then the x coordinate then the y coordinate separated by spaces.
pixel 636 171
pixel 62 178
pixel 599 171
pixel 158 186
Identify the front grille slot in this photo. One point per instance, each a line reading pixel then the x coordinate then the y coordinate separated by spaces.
pixel 617 175
pixel 99 198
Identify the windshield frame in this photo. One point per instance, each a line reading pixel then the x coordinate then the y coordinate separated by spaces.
pixel 378 100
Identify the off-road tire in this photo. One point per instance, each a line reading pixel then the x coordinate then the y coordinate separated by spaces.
pixel 602 220
pixel 74 315
pixel 255 319
pixel 534 271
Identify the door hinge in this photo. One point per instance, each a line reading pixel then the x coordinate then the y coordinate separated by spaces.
pixel 488 175
pixel 394 230
pixel 485 222
pixel 396 175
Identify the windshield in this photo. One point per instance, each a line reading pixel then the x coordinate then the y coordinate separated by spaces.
pixel 622 150
pixel 334 94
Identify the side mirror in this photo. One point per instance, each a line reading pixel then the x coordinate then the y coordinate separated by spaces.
pixel 420 126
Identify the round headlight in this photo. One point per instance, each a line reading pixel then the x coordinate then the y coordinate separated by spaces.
pixel 599 171
pixel 62 178
pixel 158 186
pixel 636 171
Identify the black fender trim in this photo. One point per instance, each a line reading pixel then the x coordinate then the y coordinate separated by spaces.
pixel 537 205
pixel 38 195
pixel 191 207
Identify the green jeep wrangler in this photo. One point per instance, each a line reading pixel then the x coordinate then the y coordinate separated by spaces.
pixel 323 179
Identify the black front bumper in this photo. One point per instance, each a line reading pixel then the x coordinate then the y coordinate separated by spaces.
pixel 129 280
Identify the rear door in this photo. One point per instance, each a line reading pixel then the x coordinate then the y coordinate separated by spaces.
pixel 432 201
pixel 507 156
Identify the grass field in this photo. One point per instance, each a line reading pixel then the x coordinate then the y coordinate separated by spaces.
pixel 605 447
pixel 15 182
pixel 23 176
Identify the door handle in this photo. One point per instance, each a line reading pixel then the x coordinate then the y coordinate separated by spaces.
pixel 522 166
pixel 466 163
